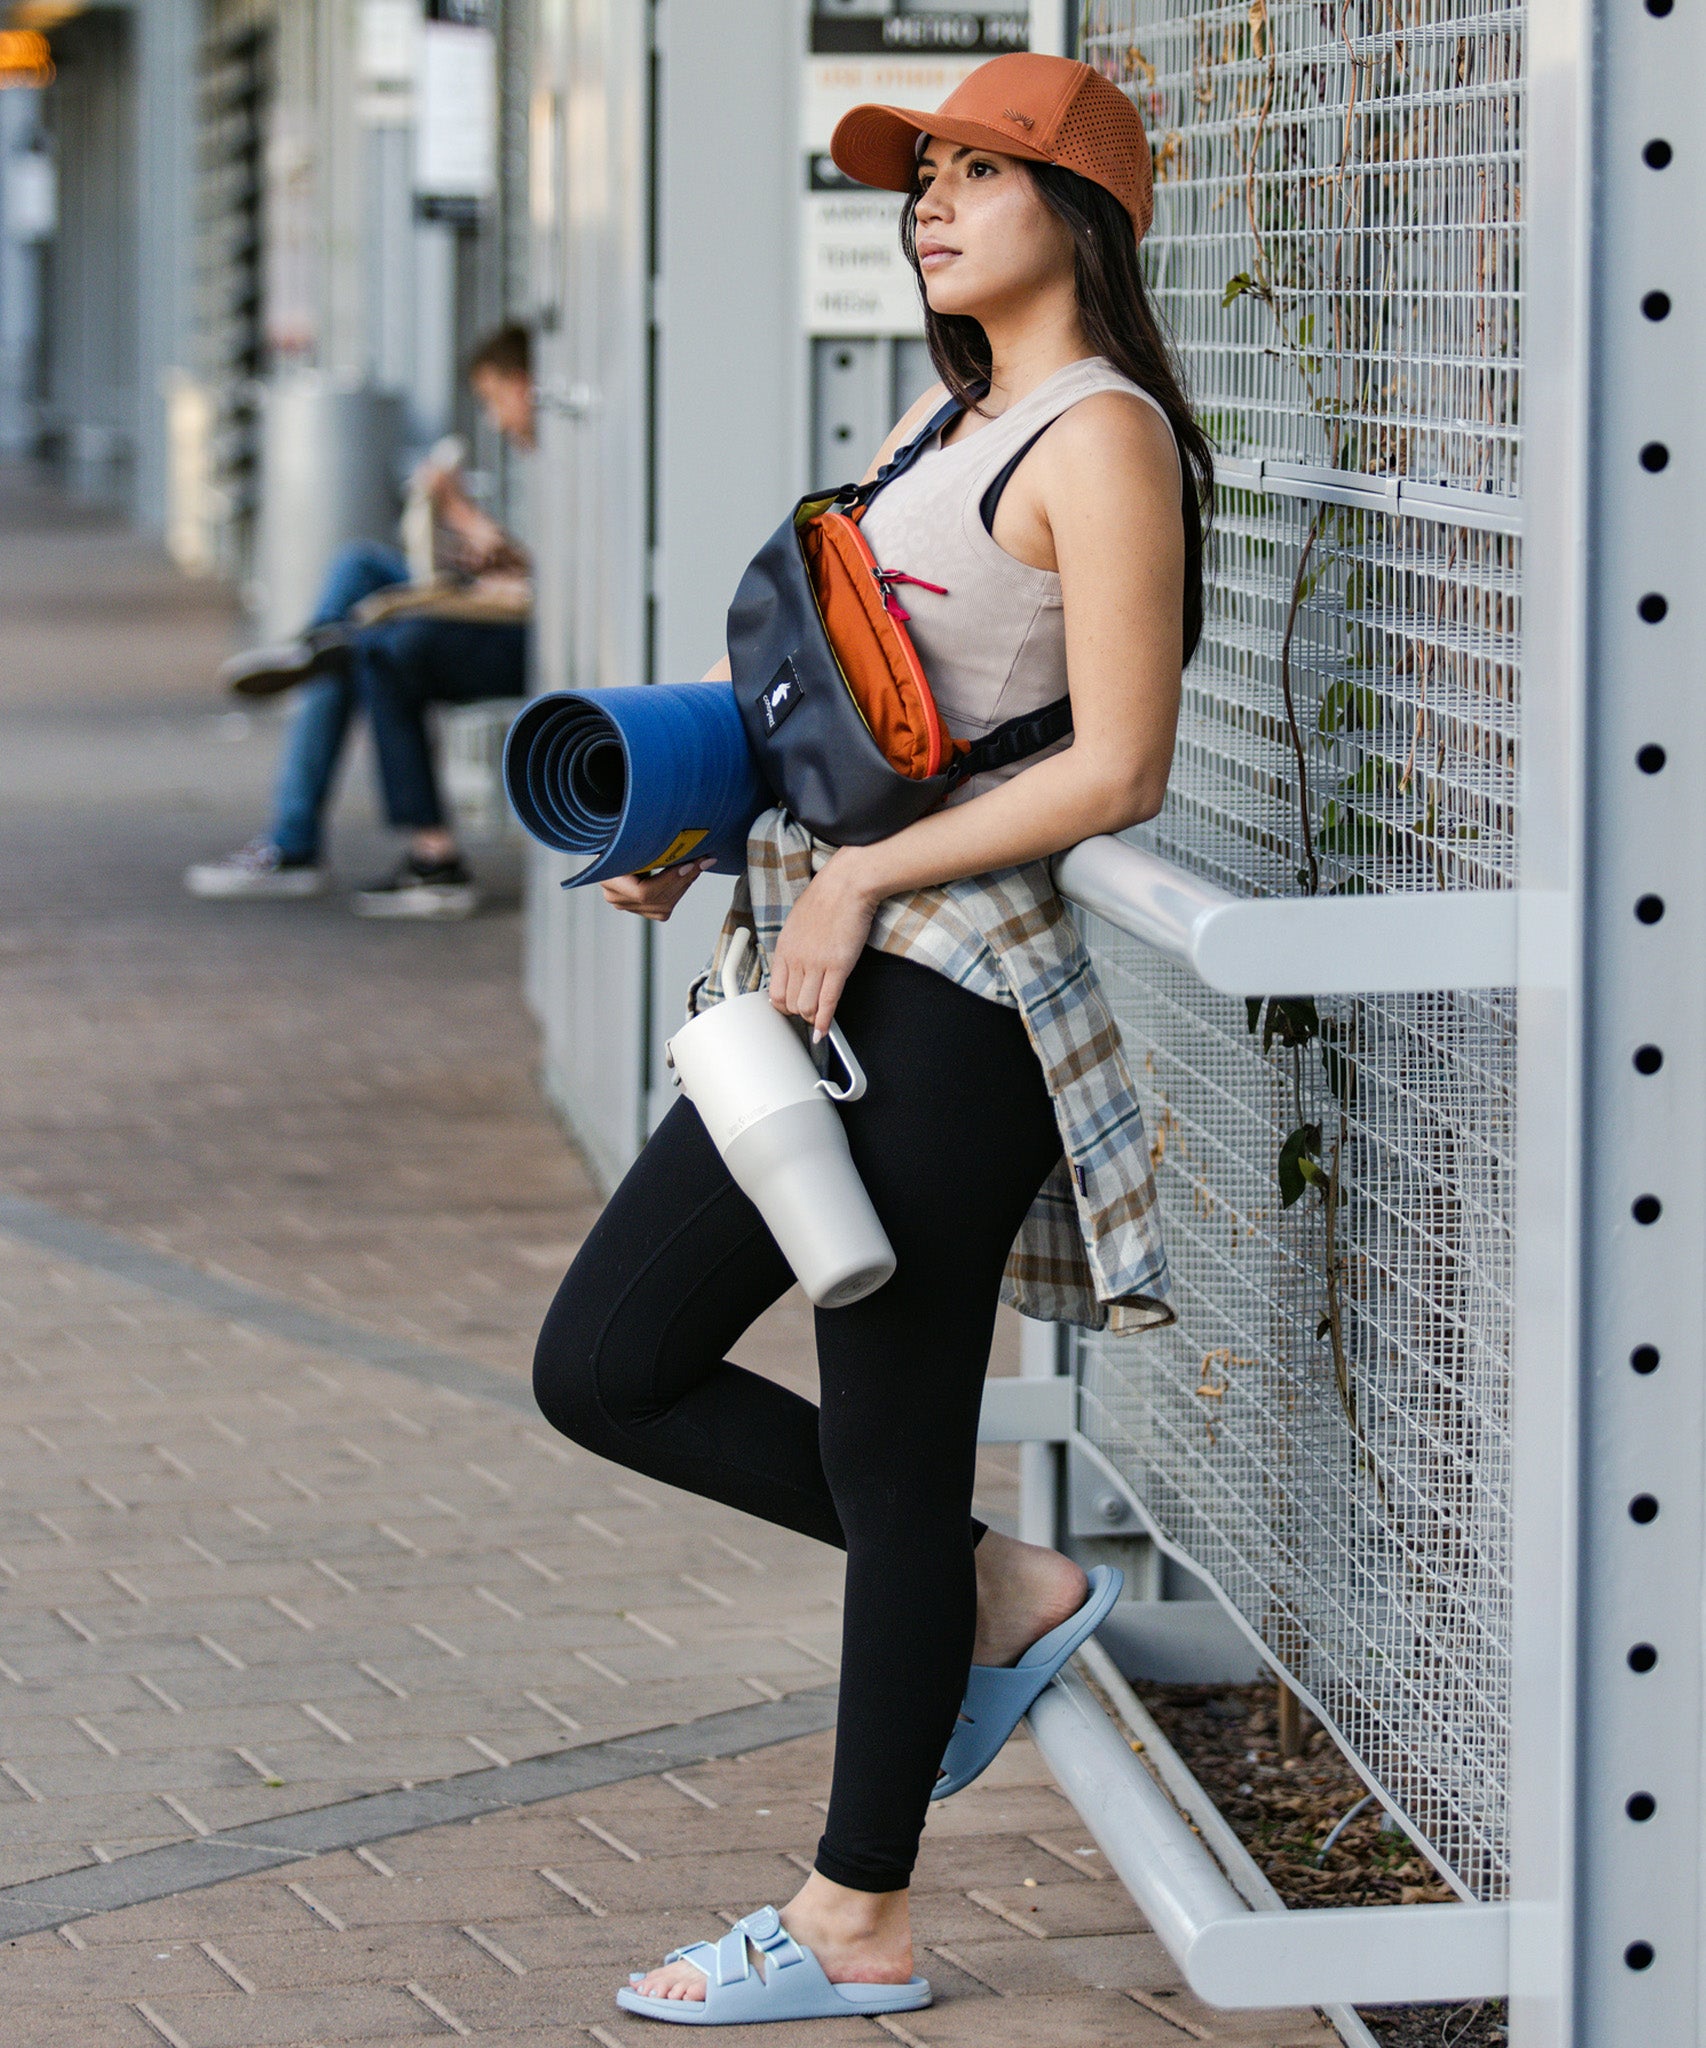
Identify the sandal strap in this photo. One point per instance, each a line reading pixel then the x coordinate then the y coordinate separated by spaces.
pixel 727 1962
pixel 732 1964
pixel 765 1931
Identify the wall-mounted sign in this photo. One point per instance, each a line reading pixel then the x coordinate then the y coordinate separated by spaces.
pixel 456 116
pixel 924 35
pixel 856 280
pixel 387 55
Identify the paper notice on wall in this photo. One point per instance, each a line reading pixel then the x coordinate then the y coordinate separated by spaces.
pixel 456 112
pixel 856 280
pixel 387 57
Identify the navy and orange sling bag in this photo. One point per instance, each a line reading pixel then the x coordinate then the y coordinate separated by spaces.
pixel 836 704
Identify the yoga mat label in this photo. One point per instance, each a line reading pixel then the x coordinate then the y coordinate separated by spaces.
pixel 677 850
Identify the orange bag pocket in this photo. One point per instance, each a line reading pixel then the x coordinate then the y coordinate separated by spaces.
pixel 872 648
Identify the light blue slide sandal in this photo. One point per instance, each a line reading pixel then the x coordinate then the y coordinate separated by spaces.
pixel 998 1696
pixel 792 1986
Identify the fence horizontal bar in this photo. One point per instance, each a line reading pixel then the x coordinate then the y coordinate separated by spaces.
pixel 1027 1411
pixel 1488 510
pixel 1233 1957
pixel 1316 945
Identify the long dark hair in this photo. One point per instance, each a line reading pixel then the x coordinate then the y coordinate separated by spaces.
pixel 1119 323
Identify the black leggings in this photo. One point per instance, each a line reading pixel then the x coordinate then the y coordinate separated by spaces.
pixel 953 1141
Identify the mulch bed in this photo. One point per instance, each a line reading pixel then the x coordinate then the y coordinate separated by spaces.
pixel 1283 1809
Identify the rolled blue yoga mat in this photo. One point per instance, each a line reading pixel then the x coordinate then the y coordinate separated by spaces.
pixel 639 777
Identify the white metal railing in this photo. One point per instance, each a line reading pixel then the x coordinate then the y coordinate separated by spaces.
pixel 1487 511
pixel 1322 945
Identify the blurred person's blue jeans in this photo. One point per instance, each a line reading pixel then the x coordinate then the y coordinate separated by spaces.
pixel 396 669
pixel 326 703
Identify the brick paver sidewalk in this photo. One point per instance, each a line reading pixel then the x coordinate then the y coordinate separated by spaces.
pixel 296 1592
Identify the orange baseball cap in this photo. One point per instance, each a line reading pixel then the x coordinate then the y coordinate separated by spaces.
pixel 1048 110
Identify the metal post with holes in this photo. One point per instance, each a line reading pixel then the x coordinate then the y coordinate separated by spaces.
pixel 1636 1922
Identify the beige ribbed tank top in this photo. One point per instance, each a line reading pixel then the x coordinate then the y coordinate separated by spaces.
pixel 994 645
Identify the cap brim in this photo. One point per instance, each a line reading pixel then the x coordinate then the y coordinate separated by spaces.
pixel 879 145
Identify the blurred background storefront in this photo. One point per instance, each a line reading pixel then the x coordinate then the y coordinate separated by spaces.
pixel 205 199
pixel 218 213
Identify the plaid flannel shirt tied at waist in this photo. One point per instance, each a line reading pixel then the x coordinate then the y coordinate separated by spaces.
pixel 1090 1250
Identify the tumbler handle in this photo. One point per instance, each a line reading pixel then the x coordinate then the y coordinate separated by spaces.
pixel 734 962
pixel 855 1073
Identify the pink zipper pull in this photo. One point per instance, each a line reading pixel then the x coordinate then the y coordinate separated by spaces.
pixel 891 604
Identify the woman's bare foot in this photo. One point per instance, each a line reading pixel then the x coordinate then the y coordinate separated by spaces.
pixel 1023 1591
pixel 858 1937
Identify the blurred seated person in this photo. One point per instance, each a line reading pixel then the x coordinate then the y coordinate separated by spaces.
pixel 377 639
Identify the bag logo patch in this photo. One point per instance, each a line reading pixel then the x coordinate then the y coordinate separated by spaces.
pixel 781 696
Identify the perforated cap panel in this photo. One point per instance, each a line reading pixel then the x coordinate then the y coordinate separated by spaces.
pixel 1101 138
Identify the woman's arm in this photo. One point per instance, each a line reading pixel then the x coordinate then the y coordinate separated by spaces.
pixel 483 543
pixel 1104 481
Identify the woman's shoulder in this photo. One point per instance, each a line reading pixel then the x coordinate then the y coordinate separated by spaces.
pixel 1116 427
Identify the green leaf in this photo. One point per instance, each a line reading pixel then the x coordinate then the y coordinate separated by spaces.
pixel 1311 583
pixel 1298 1162
pixel 1237 286
pixel 1374 776
pixel 1347 706
pixel 1351 833
pixel 1293 1020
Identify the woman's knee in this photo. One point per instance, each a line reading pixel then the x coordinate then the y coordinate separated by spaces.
pixel 565 1367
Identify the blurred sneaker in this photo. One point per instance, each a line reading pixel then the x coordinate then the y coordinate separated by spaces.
pixel 265 671
pixel 258 869
pixel 420 889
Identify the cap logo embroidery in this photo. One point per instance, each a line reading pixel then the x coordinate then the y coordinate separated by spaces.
pixel 1011 114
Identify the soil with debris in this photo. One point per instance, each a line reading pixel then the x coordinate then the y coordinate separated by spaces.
pixel 1284 1808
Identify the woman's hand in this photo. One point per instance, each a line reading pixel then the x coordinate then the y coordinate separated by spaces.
pixel 653 896
pixel 821 942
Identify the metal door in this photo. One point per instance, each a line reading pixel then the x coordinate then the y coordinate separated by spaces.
pixel 589 118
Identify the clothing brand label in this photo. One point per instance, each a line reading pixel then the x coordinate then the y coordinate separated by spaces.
pixel 782 696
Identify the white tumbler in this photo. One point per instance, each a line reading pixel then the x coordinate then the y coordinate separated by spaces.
pixel 772 1116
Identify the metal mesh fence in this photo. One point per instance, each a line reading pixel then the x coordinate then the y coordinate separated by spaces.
pixel 1325 1432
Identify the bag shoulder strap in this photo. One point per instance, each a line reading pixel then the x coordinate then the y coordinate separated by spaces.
pixel 905 456
pixel 1015 740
